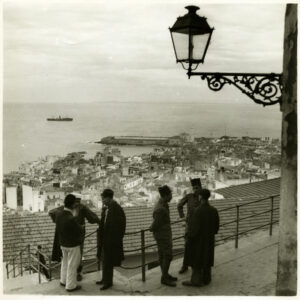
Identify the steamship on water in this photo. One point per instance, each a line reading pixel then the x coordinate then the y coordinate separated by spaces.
pixel 59 118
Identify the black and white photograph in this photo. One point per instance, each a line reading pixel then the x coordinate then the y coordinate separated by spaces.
pixel 149 148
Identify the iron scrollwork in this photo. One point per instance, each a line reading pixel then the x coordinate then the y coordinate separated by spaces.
pixel 263 89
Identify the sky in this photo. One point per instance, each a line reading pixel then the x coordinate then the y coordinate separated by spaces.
pixel 98 50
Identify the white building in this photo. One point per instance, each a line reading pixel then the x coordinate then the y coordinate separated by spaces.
pixel 133 182
pixel 11 197
pixel 32 199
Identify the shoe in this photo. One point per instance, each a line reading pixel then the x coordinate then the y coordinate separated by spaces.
pixel 105 287
pixel 78 287
pixel 183 269
pixel 172 278
pixel 62 284
pixel 189 283
pixel 168 282
pixel 79 277
pixel 99 282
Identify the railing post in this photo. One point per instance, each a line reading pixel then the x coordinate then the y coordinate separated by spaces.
pixel 14 271
pixel 21 263
pixel 29 258
pixel 237 226
pixel 50 268
pixel 7 271
pixel 39 266
pixel 271 216
pixel 143 255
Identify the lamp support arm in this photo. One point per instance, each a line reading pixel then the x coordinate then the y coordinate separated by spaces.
pixel 262 88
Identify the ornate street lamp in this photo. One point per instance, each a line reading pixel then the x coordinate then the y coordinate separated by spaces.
pixel 191 36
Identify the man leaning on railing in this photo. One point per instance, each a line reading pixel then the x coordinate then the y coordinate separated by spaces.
pixel 191 200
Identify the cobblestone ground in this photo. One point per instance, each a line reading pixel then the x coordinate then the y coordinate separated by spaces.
pixel 249 270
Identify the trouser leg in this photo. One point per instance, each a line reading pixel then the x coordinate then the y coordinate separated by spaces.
pixel 108 271
pixel 73 263
pixel 196 276
pixel 79 269
pixel 206 275
pixel 45 272
pixel 160 259
pixel 185 259
pixel 64 265
pixel 165 267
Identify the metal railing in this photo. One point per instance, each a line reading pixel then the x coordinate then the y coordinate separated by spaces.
pixel 29 265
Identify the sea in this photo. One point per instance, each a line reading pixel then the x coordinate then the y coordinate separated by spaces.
pixel 28 136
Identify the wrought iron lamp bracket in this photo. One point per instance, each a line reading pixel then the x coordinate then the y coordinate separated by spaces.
pixel 262 88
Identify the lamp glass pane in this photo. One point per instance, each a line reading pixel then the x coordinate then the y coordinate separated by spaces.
pixel 181 43
pixel 199 43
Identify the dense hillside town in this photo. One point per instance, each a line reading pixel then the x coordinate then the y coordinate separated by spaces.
pixel 42 185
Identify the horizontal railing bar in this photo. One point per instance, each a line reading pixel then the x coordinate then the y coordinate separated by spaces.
pixel 40 263
pixel 261 226
pixel 178 221
pixel 177 238
pixel 224 224
pixel 86 236
pixel 149 246
pixel 55 266
pixel 258 214
pixel 133 250
pixel 226 238
pixel 34 268
pixel 89 250
pixel 248 203
pixel 90 264
pixel 133 232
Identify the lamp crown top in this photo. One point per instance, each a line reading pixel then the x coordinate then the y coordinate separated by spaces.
pixel 192 9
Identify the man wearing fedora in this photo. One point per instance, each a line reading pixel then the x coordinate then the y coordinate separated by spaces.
pixel 192 201
pixel 110 237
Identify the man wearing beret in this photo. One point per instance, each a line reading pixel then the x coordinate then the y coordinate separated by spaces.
pixel 161 228
pixel 192 202
pixel 201 234
pixel 110 237
pixel 70 235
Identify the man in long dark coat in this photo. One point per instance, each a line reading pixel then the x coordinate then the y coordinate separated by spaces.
pixel 192 202
pixel 162 232
pixel 82 213
pixel 204 226
pixel 110 237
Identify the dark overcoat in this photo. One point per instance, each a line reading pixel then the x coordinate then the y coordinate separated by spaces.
pixel 111 232
pixel 192 202
pixel 83 213
pixel 201 235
